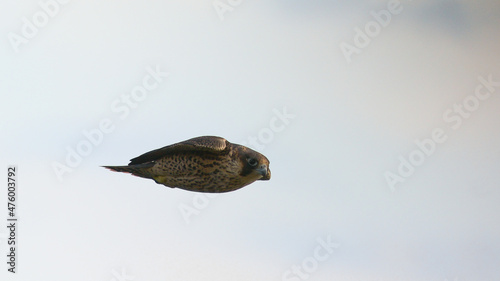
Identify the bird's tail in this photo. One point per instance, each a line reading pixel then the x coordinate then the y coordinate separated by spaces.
pixel 140 170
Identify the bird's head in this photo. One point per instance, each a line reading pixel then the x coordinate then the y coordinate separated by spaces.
pixel 254 165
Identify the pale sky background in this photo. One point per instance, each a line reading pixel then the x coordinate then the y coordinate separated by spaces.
pixel 352 122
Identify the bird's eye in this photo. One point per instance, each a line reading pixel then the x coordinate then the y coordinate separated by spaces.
pixel 252 162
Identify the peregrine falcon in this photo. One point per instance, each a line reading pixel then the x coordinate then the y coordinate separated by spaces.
pixel 203 164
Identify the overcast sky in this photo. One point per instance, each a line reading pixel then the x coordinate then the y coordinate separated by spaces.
pixel 380 119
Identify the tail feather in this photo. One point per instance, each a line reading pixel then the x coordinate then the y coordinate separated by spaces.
pixel 140 170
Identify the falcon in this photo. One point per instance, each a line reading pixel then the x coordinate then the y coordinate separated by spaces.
pixel 203 164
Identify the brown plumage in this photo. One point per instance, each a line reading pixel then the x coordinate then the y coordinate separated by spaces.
pixel 202 164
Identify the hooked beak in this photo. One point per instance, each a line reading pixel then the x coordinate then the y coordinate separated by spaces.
pixel 264 171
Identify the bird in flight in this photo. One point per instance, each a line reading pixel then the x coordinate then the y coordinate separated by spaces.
pixel 203 164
